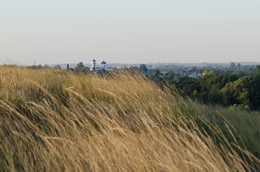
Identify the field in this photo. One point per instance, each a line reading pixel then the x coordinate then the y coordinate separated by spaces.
pixel 54 120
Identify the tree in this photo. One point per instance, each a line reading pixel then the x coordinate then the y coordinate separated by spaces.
pixel 46 66
pixel 156 76
pixel 80 65
pixel 81 68
pixel 169 76
pixel 157 73
pixel 240 91
pixel 143 68
pixel 133 69
pixel 232 65
pixel 194 69
pixel 238 65
pixel 257 71
pixel 256 99
pixel 57 67
pixel 195 93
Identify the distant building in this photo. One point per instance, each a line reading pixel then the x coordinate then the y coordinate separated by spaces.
pixel 195 75
pixel 111 68
pixel 93 65
pixel 104 65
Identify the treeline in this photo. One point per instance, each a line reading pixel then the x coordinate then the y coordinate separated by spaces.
pixel 225 89
pixel 79 68
pixel 235 86
pixel 233 68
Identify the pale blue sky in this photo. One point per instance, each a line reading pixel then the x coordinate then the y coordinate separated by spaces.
pixel 129 31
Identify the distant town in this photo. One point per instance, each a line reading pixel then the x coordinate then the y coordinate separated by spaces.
pixel 192 70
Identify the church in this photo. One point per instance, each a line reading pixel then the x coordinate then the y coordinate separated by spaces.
pixel 94 66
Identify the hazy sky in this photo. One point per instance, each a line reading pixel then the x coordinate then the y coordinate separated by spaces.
pixel 129 31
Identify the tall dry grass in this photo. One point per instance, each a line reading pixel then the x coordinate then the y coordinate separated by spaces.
pixel 58 121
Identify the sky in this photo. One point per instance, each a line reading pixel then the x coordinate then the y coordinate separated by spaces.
pixel 129 31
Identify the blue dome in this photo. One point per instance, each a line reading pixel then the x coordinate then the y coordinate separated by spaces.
pixel 103 62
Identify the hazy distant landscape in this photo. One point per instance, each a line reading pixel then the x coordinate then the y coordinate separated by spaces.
pixel 160 65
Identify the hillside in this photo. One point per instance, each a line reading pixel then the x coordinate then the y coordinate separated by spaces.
pixel 55 120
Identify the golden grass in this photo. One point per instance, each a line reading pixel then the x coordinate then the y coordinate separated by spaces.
pixel 58 121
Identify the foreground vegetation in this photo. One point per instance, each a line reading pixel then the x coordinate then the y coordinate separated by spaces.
pixel 54 120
